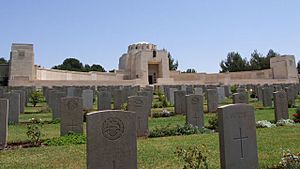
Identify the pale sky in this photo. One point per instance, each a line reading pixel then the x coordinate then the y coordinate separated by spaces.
pixel 198 33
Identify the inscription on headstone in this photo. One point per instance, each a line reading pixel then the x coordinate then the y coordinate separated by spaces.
pixel 111 140
pixel 180 103
pixel 71 115
pixel 281 105
pixel 104 100
pixel 212 100
pixel 138 104
pixel 237 137
pixel 194 112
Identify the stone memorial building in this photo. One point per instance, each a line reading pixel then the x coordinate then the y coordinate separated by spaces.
pixel 142 64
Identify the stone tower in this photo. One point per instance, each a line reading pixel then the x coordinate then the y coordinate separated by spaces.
pixel 21 66
pixel 145 62
pixel 284 67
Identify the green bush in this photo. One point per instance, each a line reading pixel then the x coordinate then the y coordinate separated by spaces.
pixel 213 122
pixel 160 95
pixel 157 105
pixel 124 106
pixel 195 157
pixel 165 103
pixel 177 130
pixel 34 131
pixel 35 98
pixel 233 88
pixel 71 138
pixel 55 121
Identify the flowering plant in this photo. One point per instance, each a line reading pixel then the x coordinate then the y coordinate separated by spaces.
pixel 288 160
pixel 297 116
pixel 264 124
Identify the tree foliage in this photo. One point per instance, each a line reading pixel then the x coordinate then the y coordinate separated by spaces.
pixel 235 63
pixel 73 64
pixel 298 67
pixel 3 60
pixel 190 71
pixel 35 98
pixel 173 65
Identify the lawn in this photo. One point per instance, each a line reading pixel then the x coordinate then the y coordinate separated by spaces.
pixel 152 152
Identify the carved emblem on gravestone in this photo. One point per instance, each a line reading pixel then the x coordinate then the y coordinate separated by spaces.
pixel 139 102
pixel 195 100
pixel 71 104
pixel 112 128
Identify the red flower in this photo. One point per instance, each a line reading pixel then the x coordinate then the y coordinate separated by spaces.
pixel 296 115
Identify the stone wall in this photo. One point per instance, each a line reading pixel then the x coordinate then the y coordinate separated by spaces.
pixel 54 74
pixel 245 77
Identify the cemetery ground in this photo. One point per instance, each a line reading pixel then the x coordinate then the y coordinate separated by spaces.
pixel 152 152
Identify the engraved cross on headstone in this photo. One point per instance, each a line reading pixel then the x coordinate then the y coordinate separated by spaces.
pixel 139 122
pixel 196 118
pixel 241 138
pixel 114 164
pixel 72 126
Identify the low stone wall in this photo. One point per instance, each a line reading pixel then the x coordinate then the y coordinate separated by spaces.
pixel 53 74
pixel 50 83
pixel 245 77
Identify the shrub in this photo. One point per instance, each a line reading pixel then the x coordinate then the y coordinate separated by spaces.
pixel 195 157
pixel 35 97
pixel 160 95
pixel 165 103
pixel 296 116
pixel 288 161
pixel 177 130
pixel 34 131
pixel 233 88
pixel 155 105
pixel 124 106
pixel 55 121
pixel 213 122
pixel 71 138
pixel 264 124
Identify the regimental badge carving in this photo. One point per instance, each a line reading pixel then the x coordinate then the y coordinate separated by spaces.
pixel 72 104
pixel 195 100
pixel 112 128
pixel 138 102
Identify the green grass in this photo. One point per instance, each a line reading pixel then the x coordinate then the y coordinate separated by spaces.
pixel 152 152
pixel 155 152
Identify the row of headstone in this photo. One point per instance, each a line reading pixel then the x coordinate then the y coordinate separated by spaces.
pixel 222 91
pixel 14 106
pixel 108 132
